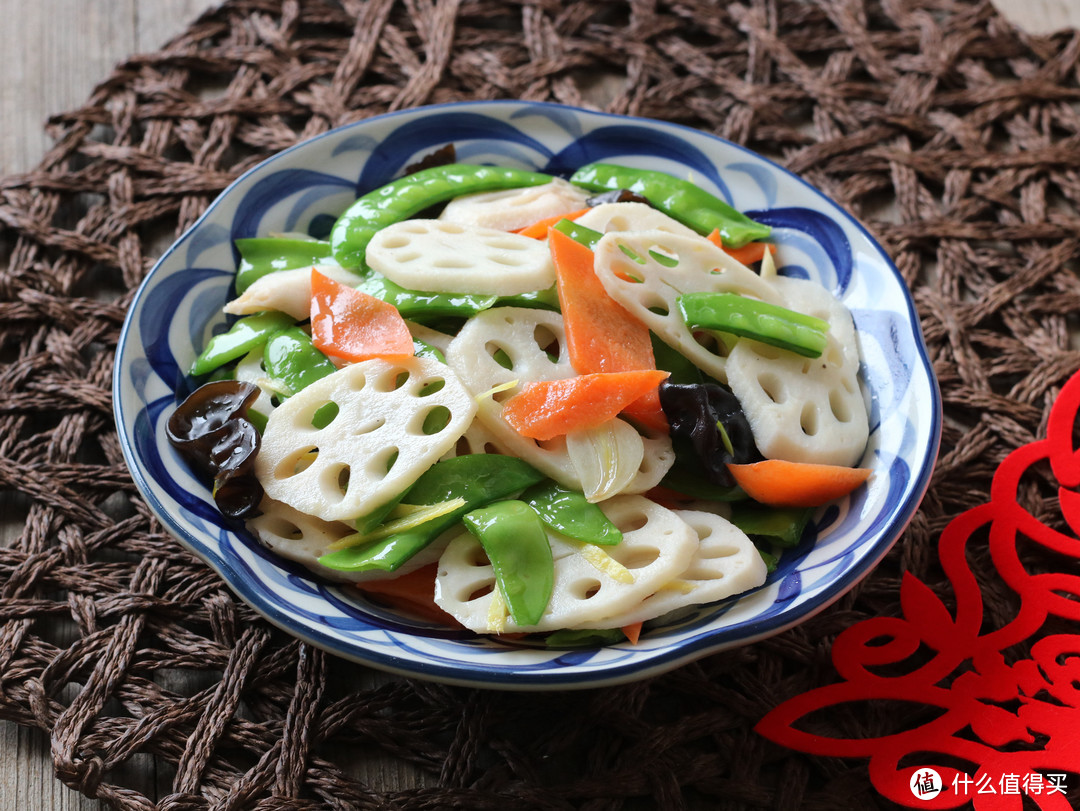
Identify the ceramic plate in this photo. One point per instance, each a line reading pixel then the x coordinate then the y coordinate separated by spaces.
pixel 304 188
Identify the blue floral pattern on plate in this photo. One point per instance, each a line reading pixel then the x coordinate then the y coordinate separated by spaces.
pixel 178 308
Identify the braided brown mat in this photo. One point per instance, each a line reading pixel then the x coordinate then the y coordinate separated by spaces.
pixel 956 138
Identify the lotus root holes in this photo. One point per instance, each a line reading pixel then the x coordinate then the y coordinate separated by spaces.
pixel 773 388
pixel 452 263
pixel 432 421
pixel 839 406
pixel 718 551
pixel 396 241
pixel 431 387
pixel 638 557
pixel 632 522
pixel 585 588
pixel 296 462
pixel 478 590
pixel 547 341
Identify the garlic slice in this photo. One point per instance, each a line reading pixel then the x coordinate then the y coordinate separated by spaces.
pixel 606 458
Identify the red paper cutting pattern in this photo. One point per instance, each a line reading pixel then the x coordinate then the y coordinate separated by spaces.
pixel 1006 733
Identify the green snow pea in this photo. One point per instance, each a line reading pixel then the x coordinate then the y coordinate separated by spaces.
pixel 246 334
pixel 685 477
pixel 422 349
pixel 291 358
pixel 221 373
pixel 547 299
pixel 262 255
pixel 409 195
pixel 570 513
pixel 749 318
pixel 579 233
pixel 680 199
pixel 258 419
pixel 782 526
pixel 671 360
pixel 584 638
pixel 478 478
pixel 771 560
pixel 514 539
pixel 419 305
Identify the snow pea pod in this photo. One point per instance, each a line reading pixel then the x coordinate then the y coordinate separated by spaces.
pixel 546 299
pixel 291 358
pixel 246 334
pixel 262 255
pixel 584 638
pixel 671 360
pixel 579 233
pixel 409 195
pixel 478 478
pixel 688 477
pixel 570 513
pixel 782 526
pixel 681 199
pixel 758 320
pixel 419 305
pixel 422 349
pixel 514 539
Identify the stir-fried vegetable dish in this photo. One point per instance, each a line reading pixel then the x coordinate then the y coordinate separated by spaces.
pixel 526 404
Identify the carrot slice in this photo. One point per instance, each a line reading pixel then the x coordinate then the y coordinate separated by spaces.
pixel 349 324
pixel 414 592
pixel 539 229
pixel 601 336
pixel 632 631
pixel 550 408
pixel 748 254
pixel 796 484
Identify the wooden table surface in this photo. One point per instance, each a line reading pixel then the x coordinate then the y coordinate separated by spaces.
pixel 55 52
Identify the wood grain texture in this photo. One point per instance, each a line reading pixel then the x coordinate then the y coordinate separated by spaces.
pixel 55 52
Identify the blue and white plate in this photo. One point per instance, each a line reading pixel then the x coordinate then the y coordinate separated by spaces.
pixel 178 308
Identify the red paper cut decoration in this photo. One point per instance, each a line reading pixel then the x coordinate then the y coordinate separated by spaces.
pixel 1013 753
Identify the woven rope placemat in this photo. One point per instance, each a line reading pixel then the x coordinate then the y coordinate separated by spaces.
pixel 956 138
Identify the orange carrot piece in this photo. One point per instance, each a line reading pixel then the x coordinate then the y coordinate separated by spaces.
pixel 349 324
pixel 748 254
pixel 539 229
pixel 414 592
pixel 632 631
pixel 601 336
pixel 648 414
pixel 796 484
pixel 550 408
